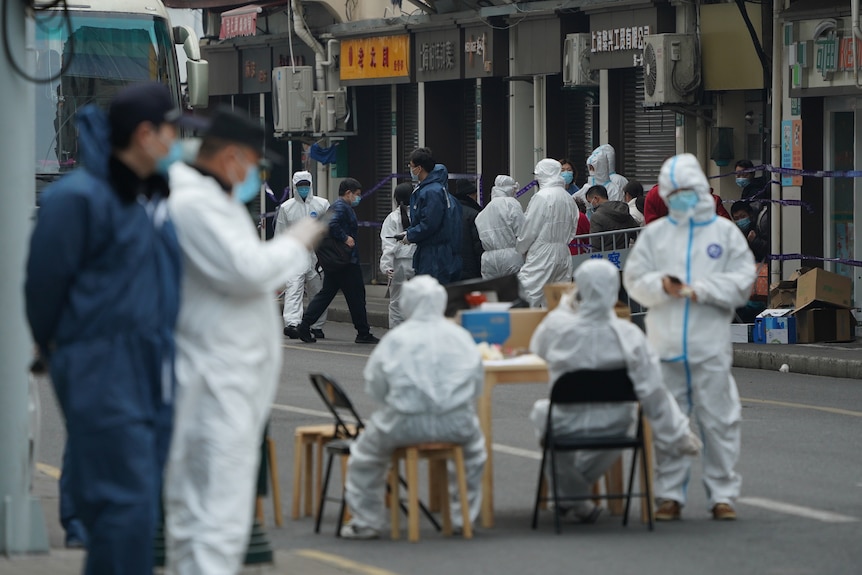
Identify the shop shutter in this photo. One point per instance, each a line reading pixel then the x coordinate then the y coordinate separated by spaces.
pixel 382 168
pixel 649 133
pixel 471 164
pixel 580 129
pixel 408 123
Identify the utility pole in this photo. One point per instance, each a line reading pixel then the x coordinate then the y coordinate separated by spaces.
pixel 22 525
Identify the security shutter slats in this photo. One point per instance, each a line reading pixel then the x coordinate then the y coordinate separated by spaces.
pixel 580 133
pixel 382 165
pixel 649 133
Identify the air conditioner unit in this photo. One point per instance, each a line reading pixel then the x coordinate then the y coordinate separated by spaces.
pixel 670 69
pixel 330 111
pixel 576 61
pixel 292 100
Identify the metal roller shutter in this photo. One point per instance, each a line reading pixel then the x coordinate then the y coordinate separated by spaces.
pixel 382 166
pixel 580 129
pixel 649 133
pixel 471 160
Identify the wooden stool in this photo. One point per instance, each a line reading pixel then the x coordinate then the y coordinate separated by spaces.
pixel 308 469
pixel 276 489
pixel 437 454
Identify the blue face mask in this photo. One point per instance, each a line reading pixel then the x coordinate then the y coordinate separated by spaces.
pixel 245 191
pixel 568 177
pixel 682 201
pixel 356 201
pixel 303 191
pixel 175 154
pixel 743 223
pixel 742 182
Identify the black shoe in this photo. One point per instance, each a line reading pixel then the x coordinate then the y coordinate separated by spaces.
pixel 305 334
pixel 318 333
pixel 366 338
pixel 291 332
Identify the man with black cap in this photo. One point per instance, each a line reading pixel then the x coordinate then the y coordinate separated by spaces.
pixel 102 295
pixel 228 345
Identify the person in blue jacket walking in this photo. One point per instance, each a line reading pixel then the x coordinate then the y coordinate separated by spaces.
pixel 102 293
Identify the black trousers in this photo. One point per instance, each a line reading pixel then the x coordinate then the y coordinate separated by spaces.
pixel 349 280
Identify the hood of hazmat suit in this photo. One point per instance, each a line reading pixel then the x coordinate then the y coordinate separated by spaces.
pixel 550 224
pixel 601 176
pixel 584 333
pixel 499 225
pixel 427 364
pixel 611 154
pixel 701 250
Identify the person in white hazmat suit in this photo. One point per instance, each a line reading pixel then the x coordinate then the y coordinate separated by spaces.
pixel 599 175
pixel 228 347
pixel 691 269
pixel 303 204
pixel 583 332
pixel 499 225
pixel 396 260
pixel 427 373
pixel 618 179
pixel 549 225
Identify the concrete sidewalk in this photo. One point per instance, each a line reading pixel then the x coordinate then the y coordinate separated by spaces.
pixel 826 359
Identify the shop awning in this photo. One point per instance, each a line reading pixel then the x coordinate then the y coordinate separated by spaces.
pixel 240 21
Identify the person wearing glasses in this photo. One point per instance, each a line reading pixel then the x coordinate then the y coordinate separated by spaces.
pixel 691 269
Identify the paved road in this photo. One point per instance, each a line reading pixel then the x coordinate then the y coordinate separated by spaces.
pixel 801 512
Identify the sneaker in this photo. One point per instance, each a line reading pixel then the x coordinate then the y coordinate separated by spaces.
pixel 351 531
pixel 291 332
pixel 318 333
pixel 668 510
pixel 305 334
pixel 366 338
pixel 723 512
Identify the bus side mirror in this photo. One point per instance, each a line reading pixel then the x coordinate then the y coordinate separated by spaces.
pixel 197 70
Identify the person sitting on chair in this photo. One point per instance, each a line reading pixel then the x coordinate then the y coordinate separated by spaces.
pixel 428 373
pixel 583 332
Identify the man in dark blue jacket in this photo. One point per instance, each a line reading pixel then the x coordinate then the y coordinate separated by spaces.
pixel 343 227
pixel 435 218
pixel 102 294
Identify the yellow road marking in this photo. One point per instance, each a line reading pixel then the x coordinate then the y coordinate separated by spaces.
pixel 48 470
pixel 342 562
pixel 835 410
pixel 318 350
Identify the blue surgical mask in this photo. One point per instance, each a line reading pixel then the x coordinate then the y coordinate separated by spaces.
pixel 743 223
pixel 303 191
pixel 175 154
pixel 568 177
pixel 682 201
pixel 245 191
pixel 356 201
pixel 742 182
pixel 414 177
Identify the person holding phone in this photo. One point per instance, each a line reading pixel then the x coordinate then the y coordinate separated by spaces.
pixel 691 270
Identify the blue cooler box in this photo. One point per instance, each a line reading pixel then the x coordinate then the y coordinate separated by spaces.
pixel 775 326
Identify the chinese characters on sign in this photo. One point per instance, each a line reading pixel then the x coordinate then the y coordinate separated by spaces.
pixel 377 57
pixel 436 56
pixel 791 150
pixel 616 257
pixel 238 25
pixel 619 39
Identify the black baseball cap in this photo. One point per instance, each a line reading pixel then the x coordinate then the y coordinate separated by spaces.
pixel 229 125
pixel 146 102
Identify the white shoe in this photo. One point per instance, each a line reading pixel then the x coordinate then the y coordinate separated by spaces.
pixel 351 531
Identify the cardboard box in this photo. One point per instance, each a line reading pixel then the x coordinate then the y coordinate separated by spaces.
pixel 825 289
pixel 741 332
pixel 775 326
pixel 783 294
pixel 825 324
pixel 554 292
pixel 511 329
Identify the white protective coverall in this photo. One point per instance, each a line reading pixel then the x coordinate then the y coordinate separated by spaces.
pixel 228 362
pixel 499 225
pixel 618 180
pixel 600 176
pixel 397 257
pixel 550 224
pixel 428 374
pixel 307 281
pixel 590 336
pixel 692 338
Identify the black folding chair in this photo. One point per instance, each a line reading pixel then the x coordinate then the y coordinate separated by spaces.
pixel 585 387
pixel 336 400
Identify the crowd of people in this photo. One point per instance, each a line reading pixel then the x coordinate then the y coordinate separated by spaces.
pixel 159 325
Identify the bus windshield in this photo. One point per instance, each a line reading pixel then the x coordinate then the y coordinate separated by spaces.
pixel 110 52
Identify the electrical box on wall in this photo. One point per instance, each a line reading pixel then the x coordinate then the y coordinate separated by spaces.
pixel 671 73
pixel 292 99
pixel 576 61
